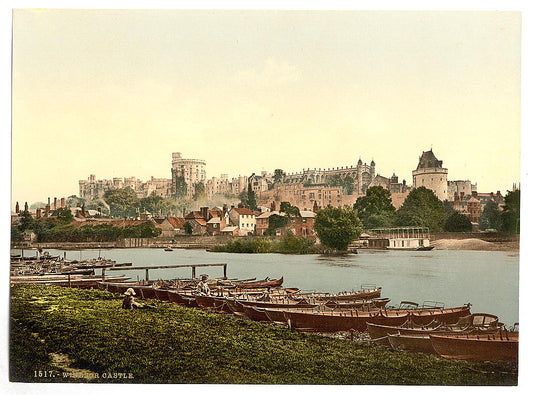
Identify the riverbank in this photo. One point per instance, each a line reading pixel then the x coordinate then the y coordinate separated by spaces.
pixel 476 245
pixel 68 335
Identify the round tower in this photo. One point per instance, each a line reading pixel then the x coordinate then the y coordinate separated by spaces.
pixel 430 174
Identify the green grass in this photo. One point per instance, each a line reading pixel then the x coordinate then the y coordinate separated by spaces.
pixel 173 344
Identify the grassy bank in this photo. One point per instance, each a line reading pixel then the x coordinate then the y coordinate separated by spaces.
pixel 173 344
pixel 253 245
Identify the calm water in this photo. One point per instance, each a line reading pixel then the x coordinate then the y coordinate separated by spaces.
pixel 488 280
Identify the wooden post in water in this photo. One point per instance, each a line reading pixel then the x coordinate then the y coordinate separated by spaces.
pixel 103 274
pixel 225 270
pixel 193 271
pixel 147 274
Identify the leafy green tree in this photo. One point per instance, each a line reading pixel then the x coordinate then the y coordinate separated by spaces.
pixel 289 210
pixel 382 220
pixel 98 204
pixel 511 212
pixel 375 209
pixel 421 208
pixel 64 216
pixel 491 217
pixel 337 227
pixel 199 191
pixel 276 222
pixel 152 203
pixel 123 202
pixel 181 187
pixel 243 197
pixel 188 228
pixel 74 201
pixel 252 202
pixel 279 175
pixel 26 221
pixel 457 222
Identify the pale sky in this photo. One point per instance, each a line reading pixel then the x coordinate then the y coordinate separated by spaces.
pixel 114 93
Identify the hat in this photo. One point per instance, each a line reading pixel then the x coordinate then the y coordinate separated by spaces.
pixel 204 276
pixel 129 291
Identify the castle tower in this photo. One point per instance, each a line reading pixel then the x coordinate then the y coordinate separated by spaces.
pixel 430 174
pixel 193 171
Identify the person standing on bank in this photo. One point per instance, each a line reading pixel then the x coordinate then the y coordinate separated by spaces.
pixel 202 288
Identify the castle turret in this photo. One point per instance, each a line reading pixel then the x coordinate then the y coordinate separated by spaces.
pixel 430 174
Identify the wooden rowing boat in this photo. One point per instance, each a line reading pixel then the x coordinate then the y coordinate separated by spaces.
pixel 210 302
pixel 415 343
pixel 357 320
pixel 378 333
pixel 267 283
pixel 182 299
pixel 372 293
pixel 499 346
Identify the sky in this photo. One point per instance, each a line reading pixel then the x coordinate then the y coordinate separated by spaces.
pixel 115 92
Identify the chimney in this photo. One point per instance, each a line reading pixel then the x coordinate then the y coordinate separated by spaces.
pixel 224 208
pixel 203 211
pixel 38 213
pixel 183 214
pixel 55 203
pixel 62 202
pixel 17 209
pixel 26 206
pixel 47 208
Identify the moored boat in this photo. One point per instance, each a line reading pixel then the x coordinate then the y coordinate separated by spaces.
pixel 499 346
pixel 416 343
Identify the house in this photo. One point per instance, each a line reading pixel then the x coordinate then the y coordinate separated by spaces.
pixel 230 231
pixel 303 226
pixel 244 218
pixel 171 226
pixel 215 225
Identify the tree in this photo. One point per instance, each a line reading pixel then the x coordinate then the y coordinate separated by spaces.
pixel 457 222
pixel 491 217
pixel 276 222
pixel 74 201
pixel 199 191
pixel 289 210
pixel 511 212
pixel 188 228
pixel 181 187
pixel 64 216
pixel 123 202
pixel 26 221
pixel 252 202
pixel 279 175
pixel 421 208
pixel 152 203
pixel 337 227
pixel 375 209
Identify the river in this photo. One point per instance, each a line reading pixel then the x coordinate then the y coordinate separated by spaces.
pixel 486 279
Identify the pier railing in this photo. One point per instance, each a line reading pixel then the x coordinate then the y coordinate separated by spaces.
pixel 148 268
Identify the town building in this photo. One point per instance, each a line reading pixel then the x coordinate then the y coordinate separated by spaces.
pixel 244 219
